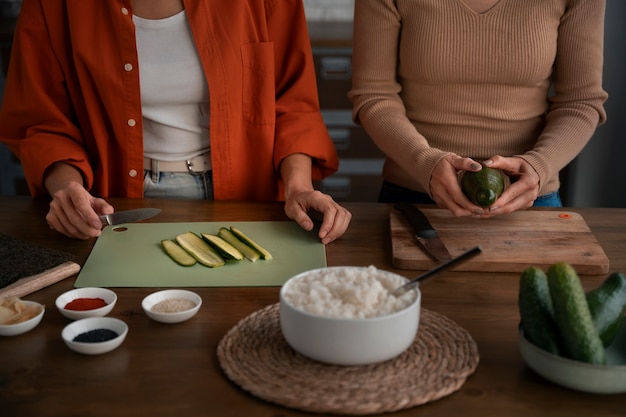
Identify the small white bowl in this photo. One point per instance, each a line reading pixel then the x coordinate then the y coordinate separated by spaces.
pixel 92 323
pixel 25 326
pixel 151 300
pixel 107 295
pixel 349 341
pixel 580 376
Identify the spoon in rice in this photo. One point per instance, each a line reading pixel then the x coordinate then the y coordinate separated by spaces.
pixel 448 264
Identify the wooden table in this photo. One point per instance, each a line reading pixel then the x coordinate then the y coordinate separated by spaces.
pixel 173 370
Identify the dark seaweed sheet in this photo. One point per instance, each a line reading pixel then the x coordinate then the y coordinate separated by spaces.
pixel 21 259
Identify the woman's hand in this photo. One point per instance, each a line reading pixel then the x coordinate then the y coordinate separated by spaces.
pixel 335 218
pixel 301 198
pixel 74 212
pixel 445 189
pixel 524 188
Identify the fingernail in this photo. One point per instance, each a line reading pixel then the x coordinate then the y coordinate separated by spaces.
pixel 488 162
pixel 493 208
pixel 96 225
pixel 479 212
pixel 474 165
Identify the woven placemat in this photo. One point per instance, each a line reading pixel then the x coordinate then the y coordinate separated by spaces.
pixel 255 356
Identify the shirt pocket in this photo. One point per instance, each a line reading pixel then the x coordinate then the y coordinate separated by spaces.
pixel 259 93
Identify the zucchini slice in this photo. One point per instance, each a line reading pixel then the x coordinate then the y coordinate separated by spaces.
pixel 199 249
pixel 223 247
pixel 177 253
pixel 265 254
pixel 246 250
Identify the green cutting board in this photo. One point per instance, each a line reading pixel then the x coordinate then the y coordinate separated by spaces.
pixel 131 256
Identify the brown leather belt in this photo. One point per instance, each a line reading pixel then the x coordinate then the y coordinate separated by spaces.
pixel 196 165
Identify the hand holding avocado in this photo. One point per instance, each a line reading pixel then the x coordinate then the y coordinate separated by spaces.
pixel 519 190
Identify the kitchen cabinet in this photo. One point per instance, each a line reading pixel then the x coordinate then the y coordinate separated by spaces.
pixel 360 162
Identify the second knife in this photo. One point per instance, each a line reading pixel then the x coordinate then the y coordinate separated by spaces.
pixel 425 233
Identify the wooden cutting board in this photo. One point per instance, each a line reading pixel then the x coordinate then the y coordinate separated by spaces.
pixel 131 256
pixel 509 243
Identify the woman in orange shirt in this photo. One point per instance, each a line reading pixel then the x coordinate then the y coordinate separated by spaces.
pixel 167 98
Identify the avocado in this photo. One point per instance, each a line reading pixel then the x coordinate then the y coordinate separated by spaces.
pixel 483 187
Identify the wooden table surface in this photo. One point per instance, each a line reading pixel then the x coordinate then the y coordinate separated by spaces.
pixel 167 370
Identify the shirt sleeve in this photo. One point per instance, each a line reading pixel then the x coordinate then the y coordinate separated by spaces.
pixel 300 127
pixel 36 120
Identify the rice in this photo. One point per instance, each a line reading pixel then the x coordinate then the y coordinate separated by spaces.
pixel 347 293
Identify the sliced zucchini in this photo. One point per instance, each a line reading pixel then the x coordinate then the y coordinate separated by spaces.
pixel 177 253
pixel 223 247
pixel 246 250
pixel 265 254
pixel 199 249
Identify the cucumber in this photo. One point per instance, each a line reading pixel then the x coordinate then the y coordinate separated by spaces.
pixel 607 304
pixel 265 254
pixel 483 187
pixel 246 250
pixel 536 312
pixel 223 247
pixel 199 249
pixel 177 253
pixel 578 334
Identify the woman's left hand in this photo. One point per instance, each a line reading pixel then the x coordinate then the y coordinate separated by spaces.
pixel 524 187
pixel 335 217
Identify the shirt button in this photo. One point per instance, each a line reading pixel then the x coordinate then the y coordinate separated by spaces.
pixel 132 173
pixel 128 67
pixel 131 122
pixel 124 11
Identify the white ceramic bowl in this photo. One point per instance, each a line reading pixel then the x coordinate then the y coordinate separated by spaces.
pixel 175 317
pixel 25 326
pixel 107 295
pixel 580 376
pixel 93 323
pixel 349 341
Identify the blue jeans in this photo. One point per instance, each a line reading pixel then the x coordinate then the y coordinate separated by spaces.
pixel 392 193
pixel 178 185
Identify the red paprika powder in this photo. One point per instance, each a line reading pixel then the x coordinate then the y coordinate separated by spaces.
pixel 85 304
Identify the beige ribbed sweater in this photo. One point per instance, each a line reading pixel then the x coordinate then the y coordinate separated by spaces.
pixel 432 77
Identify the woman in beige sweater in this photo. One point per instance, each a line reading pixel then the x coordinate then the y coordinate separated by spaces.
pixel 444 85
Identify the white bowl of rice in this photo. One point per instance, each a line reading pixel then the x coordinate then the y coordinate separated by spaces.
pixel 171 306
pixel 347 315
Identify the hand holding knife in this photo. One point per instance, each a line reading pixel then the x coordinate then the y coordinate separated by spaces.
pixel 425 233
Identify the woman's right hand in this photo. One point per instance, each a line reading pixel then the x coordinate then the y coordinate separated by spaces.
pixel 74 212
pixel 445 189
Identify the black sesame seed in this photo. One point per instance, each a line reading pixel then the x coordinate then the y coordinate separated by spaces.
pixel 96 336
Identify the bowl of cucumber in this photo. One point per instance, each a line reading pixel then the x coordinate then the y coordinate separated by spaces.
pixel 577 375
pixel 570 337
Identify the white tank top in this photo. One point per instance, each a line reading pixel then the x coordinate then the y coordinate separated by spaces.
pixel 174 91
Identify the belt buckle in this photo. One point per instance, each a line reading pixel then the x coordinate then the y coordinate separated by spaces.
pixel 189 163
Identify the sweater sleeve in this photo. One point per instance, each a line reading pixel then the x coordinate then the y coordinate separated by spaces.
pixel 377 105
pixel 576 107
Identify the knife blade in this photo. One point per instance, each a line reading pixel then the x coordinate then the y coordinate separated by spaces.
pixel 128 216
pixel 425 233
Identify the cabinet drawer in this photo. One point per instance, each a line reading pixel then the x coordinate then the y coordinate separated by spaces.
pixel 333 70
pixel 350 140
pixel 354 188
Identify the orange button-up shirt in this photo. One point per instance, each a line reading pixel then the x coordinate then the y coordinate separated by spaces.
pixel 72 94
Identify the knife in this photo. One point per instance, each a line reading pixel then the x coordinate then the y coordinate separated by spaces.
pixel 128 216
pixel 425 233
